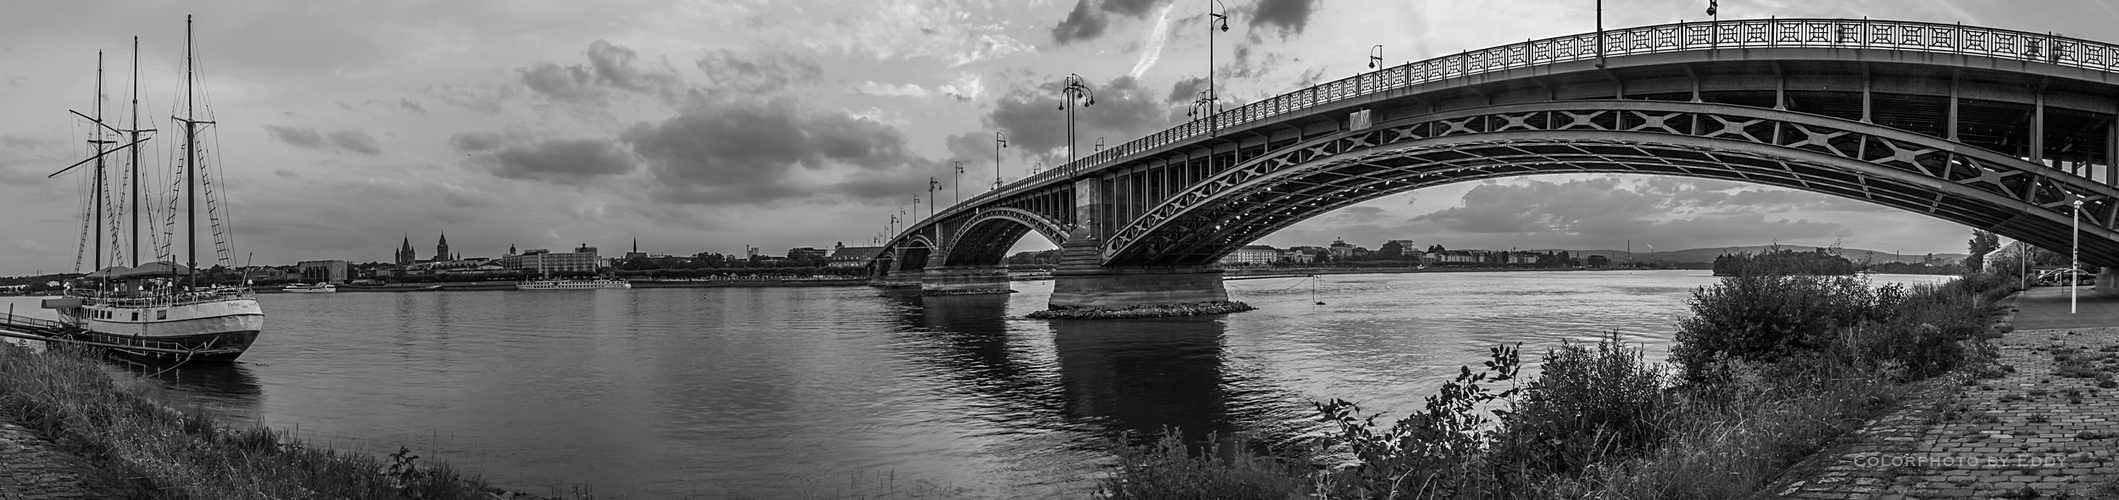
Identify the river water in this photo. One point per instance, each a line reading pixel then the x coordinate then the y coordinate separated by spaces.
pixel 855 391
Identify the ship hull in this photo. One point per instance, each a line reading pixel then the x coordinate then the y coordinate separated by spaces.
pixel 220 330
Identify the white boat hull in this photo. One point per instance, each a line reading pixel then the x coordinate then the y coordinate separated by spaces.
pixel 572 284
pixel 226 326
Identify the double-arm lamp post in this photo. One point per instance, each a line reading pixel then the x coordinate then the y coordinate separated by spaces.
pixel 999 142
pixel 1076 89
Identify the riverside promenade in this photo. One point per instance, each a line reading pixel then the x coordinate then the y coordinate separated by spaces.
pixel 2043 423
pixel 32 468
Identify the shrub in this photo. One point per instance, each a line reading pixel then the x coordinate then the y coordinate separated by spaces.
pixel 1435 453
pixel 1765 318
pixel 1589 405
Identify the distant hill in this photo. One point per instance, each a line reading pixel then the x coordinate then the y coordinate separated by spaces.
pixel 1708 254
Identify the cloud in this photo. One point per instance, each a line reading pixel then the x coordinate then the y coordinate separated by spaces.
pixel 891 90
pixel 355 141
pixel 741 151
pixel 300 137
pixel 344 140
pixel 760 73
pixel 1086 22
pixel 472 142
pixel 562 83
pixel 1608 207
pixel 408 105
pixel 1158 36
pixel 1186 91
pixel 1082 23
pixel 966 87
pixel 488 101
pixel 610 66
pixel 564 161
pixel 20 157
pixel 1288 17
pixel 1035 122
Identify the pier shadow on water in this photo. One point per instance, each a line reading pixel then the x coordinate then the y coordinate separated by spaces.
pixel 1140 377
pixel 1108 378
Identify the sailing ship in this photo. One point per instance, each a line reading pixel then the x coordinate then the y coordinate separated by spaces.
pixel 162 309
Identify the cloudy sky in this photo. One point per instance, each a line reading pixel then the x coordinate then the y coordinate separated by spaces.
pixel 709 126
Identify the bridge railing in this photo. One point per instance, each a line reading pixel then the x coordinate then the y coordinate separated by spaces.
pixel 1753 33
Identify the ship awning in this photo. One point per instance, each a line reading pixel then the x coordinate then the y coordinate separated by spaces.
pixel 144 270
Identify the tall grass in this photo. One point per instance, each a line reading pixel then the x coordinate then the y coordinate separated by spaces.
pixel 166 453
pixel 1770 370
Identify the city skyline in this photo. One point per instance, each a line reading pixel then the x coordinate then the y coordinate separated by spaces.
pixel 791 124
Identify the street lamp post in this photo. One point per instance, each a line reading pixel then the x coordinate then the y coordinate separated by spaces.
pixel 1213 19
pixel 915 209
pixel 2074 288
pixel 933 184
pixel 1600 34
pixel 1202 108
pixel 957 183
pixel 998 143
pixel 1099 144
pixel 1375 56
pixel 1039 167
pixel 1076 89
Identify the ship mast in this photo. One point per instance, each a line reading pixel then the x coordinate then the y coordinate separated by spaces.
pixel 132 234
pixel 191 165
pixel 99 141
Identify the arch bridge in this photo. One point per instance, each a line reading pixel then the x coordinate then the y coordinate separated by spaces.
pixel 1994 129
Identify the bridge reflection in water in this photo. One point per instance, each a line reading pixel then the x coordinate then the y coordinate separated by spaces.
pixel 1105 377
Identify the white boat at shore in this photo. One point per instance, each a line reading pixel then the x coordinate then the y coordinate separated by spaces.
pixel 572 284
pixel 309 288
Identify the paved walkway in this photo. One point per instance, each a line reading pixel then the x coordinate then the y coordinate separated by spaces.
pixel 32 469
pixel 2046 308
pixel 2044 426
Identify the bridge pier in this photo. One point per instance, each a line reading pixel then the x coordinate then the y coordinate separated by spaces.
pixel 897 279
pixel 1082 289
pixel 965 280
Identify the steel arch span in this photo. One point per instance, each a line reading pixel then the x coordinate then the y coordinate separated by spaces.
pixel 1919 173
pixel 984 237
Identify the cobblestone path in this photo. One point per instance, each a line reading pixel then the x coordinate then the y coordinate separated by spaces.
pixel 32 469
pixel 2045 425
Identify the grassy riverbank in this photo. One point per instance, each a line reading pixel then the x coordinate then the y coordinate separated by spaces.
pixel 141 446
pixel 1768 371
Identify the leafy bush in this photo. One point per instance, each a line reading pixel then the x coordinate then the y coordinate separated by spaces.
pixel 1764 318
pixel 1588 406
pixel 1435 453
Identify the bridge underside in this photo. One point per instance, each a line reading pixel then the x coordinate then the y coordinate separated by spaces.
pixel 1893 168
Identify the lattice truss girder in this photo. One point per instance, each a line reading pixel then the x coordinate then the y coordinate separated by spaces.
pixel 1978 188
pixel 982 234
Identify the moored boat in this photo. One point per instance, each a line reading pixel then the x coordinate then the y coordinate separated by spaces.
pixel 318 287
pixel 162 309
pixel 572 284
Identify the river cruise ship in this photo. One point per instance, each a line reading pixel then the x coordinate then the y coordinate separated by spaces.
pixel 572 284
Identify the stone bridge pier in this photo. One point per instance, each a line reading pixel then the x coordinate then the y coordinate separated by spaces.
pixel 965 280
pixel 1085 287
